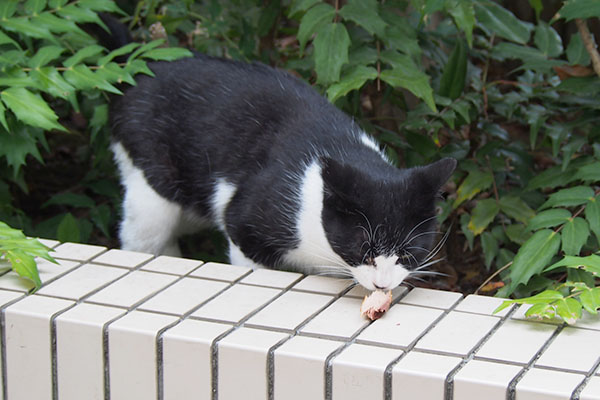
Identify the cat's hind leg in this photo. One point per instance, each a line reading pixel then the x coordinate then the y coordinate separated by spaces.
pixel 150 222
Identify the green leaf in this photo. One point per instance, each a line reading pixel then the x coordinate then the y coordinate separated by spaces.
pixel 463 14
pixel 68 229
pixel 128 48
pixel 569 197
pixel 365 14
pixel 331 52
pixel 569 310
pixel 592 215
pixel 494 19
pixel 17 145
pixel 490 248
pixel 474 183
pixel 483 214
pixel 55 24
pixel 301 5
pixel 590 263
pixel 167 54
pixel 83 78
pixel 590 299
pixel 547 40
pixel 101 216
pixel 405 74
pixel 84 53
pixel 34 6
pixel 3 117
pixel 517 233
pixel 588 173
pixel 44 55
pixel 50 81
pixel 355 78
pixel 516 208
pixel 542 311
pixel 72 12
pixel 576 51
pixel 30 108
pixel 533 256
pixel 101 5
pixel 24 265
pixel 27 28
pixel 551 178
pixel 537 6
pixel 574 235
pixel 70 199
pixel 313 21
pixel 543 298
pixel 453 78
pixel 549 219
pixel 579 9
pixel 8 8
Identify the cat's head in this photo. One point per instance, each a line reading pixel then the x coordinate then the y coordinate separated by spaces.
pixel 383 225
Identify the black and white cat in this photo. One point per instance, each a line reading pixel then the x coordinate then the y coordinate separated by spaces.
pixel 290 180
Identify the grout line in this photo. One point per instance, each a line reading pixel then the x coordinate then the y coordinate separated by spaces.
pixel 579 388
pixel 449 381
pixel 53 350
pixel 4 390
pixel 511 389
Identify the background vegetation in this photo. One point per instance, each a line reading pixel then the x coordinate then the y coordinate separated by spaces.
pixel 509 88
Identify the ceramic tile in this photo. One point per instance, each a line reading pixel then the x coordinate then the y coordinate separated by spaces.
pixel 48 243
pixel 123 258
pixel 503 346
pixel 242 363
pixel 341 319
pixel 222 272
pixel 132 288
pixel 457 333
pixel 271 278
pixel 431 298
pixel 80 351
pixel 591 390
pixel 132 355
pixel 422 376
pixel 171 265
pixel 589 321
pixel 183 296
pixel 236 303
pixel 77 251
pixel 5 298
pixel 322 284
pixel 543 384
pixel 289 310
pixel 28 346
pixel 299 368
pixel 48 271
pixel 484 380
pixel 481 305
pixel 358 372
pixel 187 359
pixel 82 281
pixel 573 349
pixel 400 326
pixel 360 292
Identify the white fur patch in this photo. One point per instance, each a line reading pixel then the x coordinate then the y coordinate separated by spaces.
pixel 314 249
pixel 385 274
pixel 236 257
pixel 149 221
pixel 372 144
pixel 223 192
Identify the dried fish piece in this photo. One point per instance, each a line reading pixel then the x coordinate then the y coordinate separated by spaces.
pixel 377 303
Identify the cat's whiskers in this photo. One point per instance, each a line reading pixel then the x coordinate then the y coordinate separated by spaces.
pixel 408 237
pixel 436 249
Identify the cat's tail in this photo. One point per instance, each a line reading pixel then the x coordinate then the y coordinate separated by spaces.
pixel 118 34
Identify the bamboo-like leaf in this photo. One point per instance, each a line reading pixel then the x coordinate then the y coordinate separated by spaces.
pixel 27 28
pixel 331 52
pixel 30 108
pixel 495 19
pixel 50 81
pixel 463 14
pixel 533 256
pixel 44 55
pixel 167 54
pixel 83 78
pixel 453 78
pixel 84 53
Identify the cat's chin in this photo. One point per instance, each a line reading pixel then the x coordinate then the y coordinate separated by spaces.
pixel 386 275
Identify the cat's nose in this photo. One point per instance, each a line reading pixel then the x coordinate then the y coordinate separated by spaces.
pixel 378 287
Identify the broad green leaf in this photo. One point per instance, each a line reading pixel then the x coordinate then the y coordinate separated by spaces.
pixel 16 146
pixel 24 265
pixel 30 108
pixel 50 81
pixel 44 55
pixel 490 248
pixel 463 14
pixel 590 299
pixel 482 215
pixel 569 197
pixel 26 27
pixel 541 311
pixel 592 215
pixel 590 263
pixel 313 21
pixel 70 199
pixel 4 39
pixel 574 235
pixel 549 219
pixel 517 233
pixel 167 54
pixel 83 78
pixel 533 256
pixel 551 178
pixel 84 53
pixel 34 6
pixel 453 78
pixel 112 73
pixel 73 12
pixel 495 19
pixel 516 208
pixel 474 183
pixel 101 216
pixel 579 9
pixel 569 310
pixel 8 8
pixel 405 74
pixel 331 52
pixel 545 297
pixel 354 79
pixel 68 229
pixel 576 51
pixel 365 14
pixel 301 5
pixel 56 24
pixel 547 40
pixel 135 67
pixel 588 173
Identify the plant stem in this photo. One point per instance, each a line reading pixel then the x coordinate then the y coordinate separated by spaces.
pixel 492 277
pixel 589 44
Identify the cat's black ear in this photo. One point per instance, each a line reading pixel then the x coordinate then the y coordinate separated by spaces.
pixel 339 181
pixel 437 173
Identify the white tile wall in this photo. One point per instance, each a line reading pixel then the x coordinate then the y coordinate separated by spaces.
pixel 165 328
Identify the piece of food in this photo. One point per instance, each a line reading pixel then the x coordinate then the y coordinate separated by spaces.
pixel 374 305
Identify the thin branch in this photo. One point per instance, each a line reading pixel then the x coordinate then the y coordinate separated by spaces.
pixel 492 277
pixel 589 44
